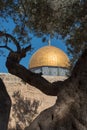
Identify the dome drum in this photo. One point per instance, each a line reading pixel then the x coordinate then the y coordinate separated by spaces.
pixel 48 70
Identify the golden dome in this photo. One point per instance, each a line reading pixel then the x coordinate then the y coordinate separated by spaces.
pixel 49 56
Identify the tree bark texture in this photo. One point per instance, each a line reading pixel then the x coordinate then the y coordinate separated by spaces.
pixel 5 106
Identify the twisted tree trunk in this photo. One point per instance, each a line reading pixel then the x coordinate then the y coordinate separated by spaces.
pixel 5 106
pixel 70 109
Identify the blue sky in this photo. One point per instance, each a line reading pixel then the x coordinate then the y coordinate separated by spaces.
pixel 36 44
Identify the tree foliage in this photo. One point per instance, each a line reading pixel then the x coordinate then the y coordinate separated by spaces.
pixel 57 18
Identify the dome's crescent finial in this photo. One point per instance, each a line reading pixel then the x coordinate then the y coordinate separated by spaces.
pixel 49 42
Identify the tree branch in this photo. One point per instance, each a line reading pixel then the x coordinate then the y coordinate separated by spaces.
pixel 38 81
pixel 25 50
pixel 12 38
pixel 8 48
pixel 31 78
pixel 80 69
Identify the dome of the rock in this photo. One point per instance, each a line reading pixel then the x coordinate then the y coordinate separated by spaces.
pixel 48 56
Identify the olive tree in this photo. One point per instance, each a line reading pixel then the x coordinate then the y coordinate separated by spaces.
pixel 47 17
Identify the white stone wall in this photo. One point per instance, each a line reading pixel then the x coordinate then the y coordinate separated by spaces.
pixel 14 83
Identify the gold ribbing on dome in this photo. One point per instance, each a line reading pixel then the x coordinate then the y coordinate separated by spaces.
pixel 49 56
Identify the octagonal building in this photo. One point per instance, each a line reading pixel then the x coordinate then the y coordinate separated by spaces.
pixel 49 60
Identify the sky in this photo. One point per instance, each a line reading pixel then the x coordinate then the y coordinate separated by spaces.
pixel 35 42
